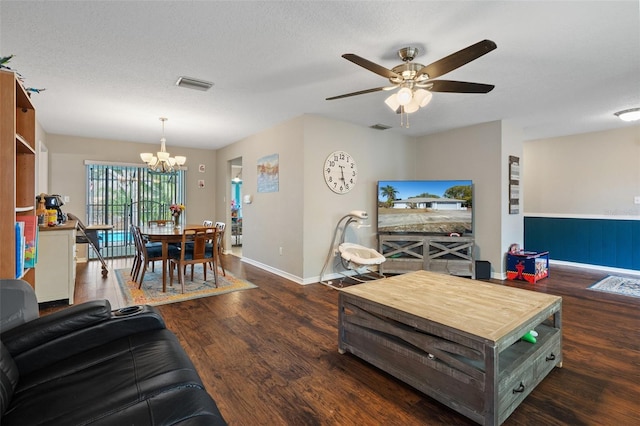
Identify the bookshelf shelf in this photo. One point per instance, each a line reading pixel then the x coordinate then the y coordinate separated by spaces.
pixel 17 169
pixel 23 147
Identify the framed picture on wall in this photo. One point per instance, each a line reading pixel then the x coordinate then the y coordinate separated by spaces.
pixel 514 185
pixel 269 173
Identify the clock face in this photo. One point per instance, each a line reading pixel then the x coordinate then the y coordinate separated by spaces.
pixel 340 172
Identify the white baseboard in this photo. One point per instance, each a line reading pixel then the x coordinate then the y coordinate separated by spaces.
pixel 278 272
pixel 595 267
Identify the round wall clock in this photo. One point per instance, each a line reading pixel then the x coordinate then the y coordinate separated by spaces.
pixel 340 172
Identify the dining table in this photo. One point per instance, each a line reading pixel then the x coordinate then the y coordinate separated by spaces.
pixel 166 235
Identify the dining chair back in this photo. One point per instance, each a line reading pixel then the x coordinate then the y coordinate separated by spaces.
pixel 137 255
pixel 145 253
pixel 219 245
pixel 207 223
pixel 195 248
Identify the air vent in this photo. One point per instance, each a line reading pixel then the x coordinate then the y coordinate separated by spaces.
pixel 380 127
pixel 194 83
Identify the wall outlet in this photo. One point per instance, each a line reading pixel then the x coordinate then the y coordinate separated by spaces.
pixel 66 198
pixel 280 251
pixel 636 199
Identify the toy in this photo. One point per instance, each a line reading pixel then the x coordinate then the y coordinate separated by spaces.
pixel 530 336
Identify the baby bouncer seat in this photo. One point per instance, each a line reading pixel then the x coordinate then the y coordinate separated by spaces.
pixel 357 261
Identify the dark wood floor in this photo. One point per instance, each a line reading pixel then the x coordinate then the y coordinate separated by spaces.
pixel 269 356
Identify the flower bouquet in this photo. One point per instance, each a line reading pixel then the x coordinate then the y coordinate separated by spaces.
pixel 176 211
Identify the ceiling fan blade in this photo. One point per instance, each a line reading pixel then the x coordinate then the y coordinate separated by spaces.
pixel 373 67
pixel 361 92
pixel 457 59
pixel 458 86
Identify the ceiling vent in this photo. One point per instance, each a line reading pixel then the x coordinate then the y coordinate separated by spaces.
pixel 380 127
pixel 194 83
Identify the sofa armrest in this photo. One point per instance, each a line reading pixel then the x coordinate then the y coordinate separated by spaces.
pixel 50 327
pixel 57 336
pixel 18 303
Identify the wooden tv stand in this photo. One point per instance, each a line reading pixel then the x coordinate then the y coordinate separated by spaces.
pixel 413 252
pixel 455 339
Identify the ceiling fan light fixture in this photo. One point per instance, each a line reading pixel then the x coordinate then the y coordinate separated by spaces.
pixel 422 97
pixel 404 96
pixel 632 114
pixel 412 106
pixel 392 102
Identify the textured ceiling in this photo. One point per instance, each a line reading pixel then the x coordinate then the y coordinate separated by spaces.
pixel 109 68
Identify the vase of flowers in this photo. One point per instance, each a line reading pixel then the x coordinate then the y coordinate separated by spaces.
pixel 176 211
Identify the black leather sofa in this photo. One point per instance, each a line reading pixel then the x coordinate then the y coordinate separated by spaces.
pixel 90 365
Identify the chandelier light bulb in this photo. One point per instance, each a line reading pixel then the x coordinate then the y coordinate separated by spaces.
pixel 404 96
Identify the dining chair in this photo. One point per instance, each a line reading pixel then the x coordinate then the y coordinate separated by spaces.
pixel 206 224
pixel 219 245
pixel 157 222
pixel 194 249
pixel 137 255
pixel 146 252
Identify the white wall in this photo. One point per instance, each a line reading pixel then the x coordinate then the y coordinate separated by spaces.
pixel 586 175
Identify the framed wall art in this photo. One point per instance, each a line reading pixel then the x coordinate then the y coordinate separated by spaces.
pixel 514 185
pixel 268 173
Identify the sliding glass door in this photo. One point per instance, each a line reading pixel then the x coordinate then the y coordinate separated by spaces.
pixel 122 195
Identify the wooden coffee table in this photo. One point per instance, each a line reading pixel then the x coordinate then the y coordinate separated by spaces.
pixel 455 339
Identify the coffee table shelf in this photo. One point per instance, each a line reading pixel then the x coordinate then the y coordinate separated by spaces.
pixel 456 340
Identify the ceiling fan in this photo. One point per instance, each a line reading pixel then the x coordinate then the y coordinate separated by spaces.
pixel 416 81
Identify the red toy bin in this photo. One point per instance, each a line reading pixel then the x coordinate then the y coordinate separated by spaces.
pixel 528 266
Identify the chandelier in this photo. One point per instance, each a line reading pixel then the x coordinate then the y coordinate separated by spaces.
pixel 408 100
pixel 162 162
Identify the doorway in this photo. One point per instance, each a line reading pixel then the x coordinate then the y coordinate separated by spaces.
pixel 237 218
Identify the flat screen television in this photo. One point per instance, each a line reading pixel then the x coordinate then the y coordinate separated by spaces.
pixel 439 207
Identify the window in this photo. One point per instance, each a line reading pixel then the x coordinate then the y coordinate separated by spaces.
pixel 121 195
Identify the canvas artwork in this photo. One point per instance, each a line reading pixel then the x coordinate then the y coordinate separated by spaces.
pixel 514 185
pixel 268 173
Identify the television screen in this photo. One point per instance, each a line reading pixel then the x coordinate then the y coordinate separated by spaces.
pixel 425 206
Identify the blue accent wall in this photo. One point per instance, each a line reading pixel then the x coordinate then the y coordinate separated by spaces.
pixel 604 242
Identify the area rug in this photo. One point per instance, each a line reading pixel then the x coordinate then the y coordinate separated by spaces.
pixel 151 291
pixel 618 285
